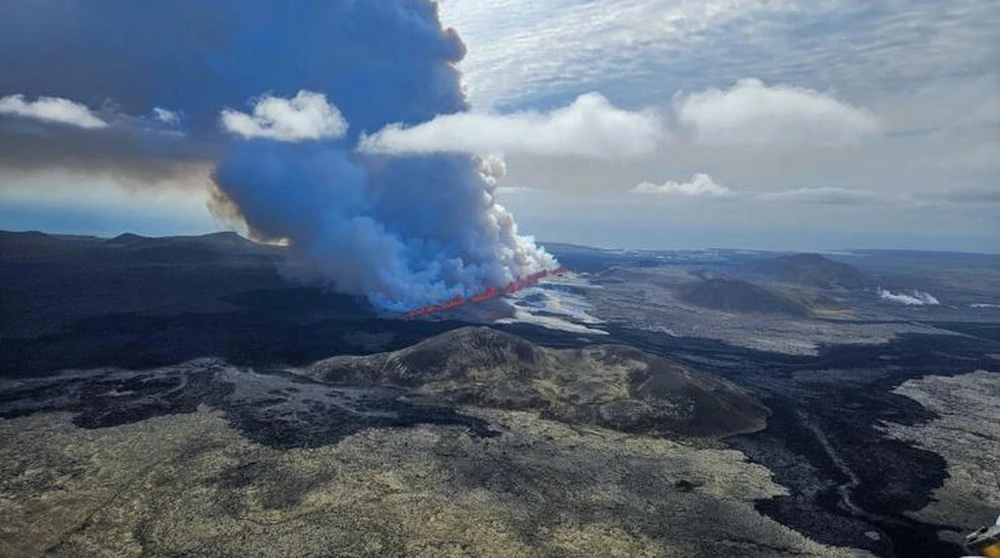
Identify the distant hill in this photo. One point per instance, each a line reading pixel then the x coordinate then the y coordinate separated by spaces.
pixel 812 270
pixel 187 249
pixel 608 385
pixel 209 248
pixel 51 281
pixel 736 295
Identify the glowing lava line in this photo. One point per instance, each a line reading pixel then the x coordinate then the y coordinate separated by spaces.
pixel 488 294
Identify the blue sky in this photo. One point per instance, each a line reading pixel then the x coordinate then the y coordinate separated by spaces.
pixel 761 123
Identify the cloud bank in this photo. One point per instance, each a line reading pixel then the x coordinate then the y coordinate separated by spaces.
pixel 590 126
pixel 752 113
pixel 700 184
pixel 827 195
pixel 51 109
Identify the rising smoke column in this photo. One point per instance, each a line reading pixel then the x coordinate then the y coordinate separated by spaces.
pixel 402 231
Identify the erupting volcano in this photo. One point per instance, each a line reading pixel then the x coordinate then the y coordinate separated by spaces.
pixel 487 294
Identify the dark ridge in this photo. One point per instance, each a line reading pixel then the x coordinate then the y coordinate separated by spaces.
pixel 735 295
pixel 812 270
pixel 127 239
pixel 613 386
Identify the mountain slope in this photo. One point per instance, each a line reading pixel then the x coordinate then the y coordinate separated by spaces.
pixel 812 270
pixel 608 385
pixel 735 295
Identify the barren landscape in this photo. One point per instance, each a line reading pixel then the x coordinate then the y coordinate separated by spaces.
pixel 259 417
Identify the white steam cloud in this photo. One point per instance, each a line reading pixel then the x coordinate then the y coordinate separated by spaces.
pixel 752 113
pixel 51 109
pixel 306 116
pixel 700 184
pixel 590 126
pixel 916 298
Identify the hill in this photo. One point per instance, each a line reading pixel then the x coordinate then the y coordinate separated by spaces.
pixel 607 385
pixel 128 248
pixel 812 270
pixel 52 281
pixel 736 295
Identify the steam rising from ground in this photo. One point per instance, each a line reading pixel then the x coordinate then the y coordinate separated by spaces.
pixel 916 298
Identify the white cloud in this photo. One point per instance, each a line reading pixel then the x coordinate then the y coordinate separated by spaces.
pixel 927 68
pixel 165 116
pixel 590 126
pixel 700 185
pixel 51 109
pixel 752 113
pixel 704 186
pixel 918 298
pixel 519 49
pixel 306 116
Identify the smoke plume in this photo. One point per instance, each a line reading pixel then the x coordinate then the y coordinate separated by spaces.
pixel 278 94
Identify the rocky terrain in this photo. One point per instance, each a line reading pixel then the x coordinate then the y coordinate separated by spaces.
pixel 811 270
pixel 735 295
pixel 189 485
pixel 613 386
pixel 191 396
pixel 966 433
pixel 470 443
pixel 679 301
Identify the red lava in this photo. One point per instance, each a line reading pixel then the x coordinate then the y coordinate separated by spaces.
pixel 488 294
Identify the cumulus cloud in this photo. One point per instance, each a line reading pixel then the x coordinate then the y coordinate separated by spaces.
pixel 52 109
pixel 749 113
pixel 752 113
pixel 165 116
pixel 700 185
pixel 306 116
pixel 590 126
pixel 917 298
